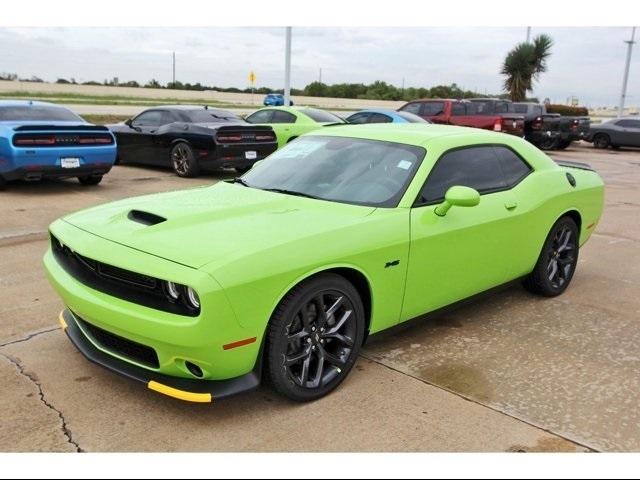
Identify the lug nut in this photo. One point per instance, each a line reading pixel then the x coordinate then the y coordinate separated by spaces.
pixel 308 340
pixel 313 329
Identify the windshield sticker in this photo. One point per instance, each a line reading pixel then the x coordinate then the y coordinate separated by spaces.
pixel 404 164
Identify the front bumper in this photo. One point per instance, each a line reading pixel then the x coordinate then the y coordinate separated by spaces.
pixel 200 391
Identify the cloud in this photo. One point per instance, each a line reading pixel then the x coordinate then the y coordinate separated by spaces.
pixel 586 62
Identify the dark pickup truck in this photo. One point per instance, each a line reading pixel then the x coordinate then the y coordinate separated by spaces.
pixel 550 131
pixel 490 114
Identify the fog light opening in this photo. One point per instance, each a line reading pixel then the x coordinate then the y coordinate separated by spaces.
pixel 194 369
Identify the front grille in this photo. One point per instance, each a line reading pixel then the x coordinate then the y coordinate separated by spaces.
pixel 121 346
pixel 117 282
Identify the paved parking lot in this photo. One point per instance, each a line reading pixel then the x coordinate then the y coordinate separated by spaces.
pixel 512 372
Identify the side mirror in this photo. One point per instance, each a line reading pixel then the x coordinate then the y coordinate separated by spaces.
pixel 458 196
pixel 127 122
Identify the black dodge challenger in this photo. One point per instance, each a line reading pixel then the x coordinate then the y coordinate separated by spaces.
pixel 192 138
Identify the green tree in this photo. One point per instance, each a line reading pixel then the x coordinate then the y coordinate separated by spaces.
pixel 524 64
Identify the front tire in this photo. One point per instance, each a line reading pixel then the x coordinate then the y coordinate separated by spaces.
pixel 90 180
pixel 314 337
pixel 183 161
pixel 563 144
pixel 557 262
pixel 3 183
pixel 242 170
pixel 601 140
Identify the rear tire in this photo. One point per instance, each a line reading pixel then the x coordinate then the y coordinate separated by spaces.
pixel 549 143
pixel 557 261
pixel 562 144
pixel 3 183
pixel 314 337
pixel 89 180
pixel 601 140
pixel 242 170
pixel 183 161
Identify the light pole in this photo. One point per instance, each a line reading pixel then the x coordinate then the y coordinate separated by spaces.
pixel 528 34
pixel 174 70
pixel 287 67
pixel 626 71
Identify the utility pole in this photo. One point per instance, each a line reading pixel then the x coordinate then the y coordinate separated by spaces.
pixel 287 67
pixel 403 86
pixel 174 70
pixel 528 34
pixel 623 96
pixel 320 76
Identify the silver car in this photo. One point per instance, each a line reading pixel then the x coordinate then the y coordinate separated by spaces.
pixel 620 132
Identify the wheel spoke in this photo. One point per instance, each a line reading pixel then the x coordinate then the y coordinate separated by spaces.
pixel 295 358
pixel 332 309
pixel 340 323
pixel 317 380
pixel 321 319
pixel 553 266
pixel 302 334
pixel 565 261
pixel 564 240
pixel 332 359
pixel 305 371
pixel 343 339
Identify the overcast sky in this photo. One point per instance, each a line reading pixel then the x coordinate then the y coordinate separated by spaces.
pixel 587 62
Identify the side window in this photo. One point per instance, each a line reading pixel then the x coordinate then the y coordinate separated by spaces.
pixel 412 108
pixel 280 116
pixel 152 118
pixel 431 109
pixel 358 118
pixel 628 123
pixel 261 116
pixel 475 167
pixel 167 117
pixel 537 110
pixel 502 107
pixel 514 168
pixel 458 108
pixel 380 118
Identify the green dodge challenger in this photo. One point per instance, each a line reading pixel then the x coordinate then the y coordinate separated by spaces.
pixel 283 273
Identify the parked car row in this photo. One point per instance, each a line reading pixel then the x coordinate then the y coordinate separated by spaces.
pixel 41 140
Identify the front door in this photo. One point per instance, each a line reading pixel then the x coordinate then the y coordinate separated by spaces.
pixel 470 249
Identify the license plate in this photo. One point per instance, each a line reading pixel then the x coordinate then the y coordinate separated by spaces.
pixel 70 162
pixel 251 155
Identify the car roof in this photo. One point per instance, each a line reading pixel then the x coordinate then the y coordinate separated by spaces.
pixel 27 103
pixel 187 108
pixel 408 133
pixel 386 111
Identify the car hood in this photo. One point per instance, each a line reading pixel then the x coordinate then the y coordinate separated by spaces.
pixel 212 224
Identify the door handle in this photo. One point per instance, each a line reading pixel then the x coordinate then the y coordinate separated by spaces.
pixel 510 204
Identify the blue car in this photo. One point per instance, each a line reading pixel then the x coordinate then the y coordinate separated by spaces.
pixel 43 140
pixel 275 100
pixel 384 115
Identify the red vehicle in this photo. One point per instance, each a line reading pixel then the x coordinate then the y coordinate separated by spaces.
pixel 488 113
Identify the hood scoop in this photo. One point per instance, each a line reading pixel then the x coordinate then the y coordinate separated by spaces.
pixel 145 218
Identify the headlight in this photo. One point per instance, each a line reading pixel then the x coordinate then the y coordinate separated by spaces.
pixel 178 293
pixel 192 298
pixel 172 290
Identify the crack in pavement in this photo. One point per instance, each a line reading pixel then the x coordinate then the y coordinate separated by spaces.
pixel 29 337
pixel 472 400
pixel 65 430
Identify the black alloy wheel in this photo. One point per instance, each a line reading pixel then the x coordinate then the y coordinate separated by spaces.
pixel 315 337
pixel 183 161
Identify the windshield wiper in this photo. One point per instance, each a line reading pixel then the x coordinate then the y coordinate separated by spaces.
pixel 291 192
pixel 241 182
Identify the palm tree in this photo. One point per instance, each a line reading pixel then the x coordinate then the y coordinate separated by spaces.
pixel 523 65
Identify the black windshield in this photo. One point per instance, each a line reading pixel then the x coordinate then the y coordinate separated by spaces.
pixel 37 113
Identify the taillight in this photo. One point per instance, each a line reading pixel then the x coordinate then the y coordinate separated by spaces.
pixel 537 123
pixel 265 138
pixel 497 126
pixel 35 140
pixel 229 138
pixel 96 140
pixel 574 125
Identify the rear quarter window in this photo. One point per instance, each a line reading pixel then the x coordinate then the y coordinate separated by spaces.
pixel 321 116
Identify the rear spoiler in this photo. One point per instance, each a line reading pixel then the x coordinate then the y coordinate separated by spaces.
pixel 579 165
pixel 61 128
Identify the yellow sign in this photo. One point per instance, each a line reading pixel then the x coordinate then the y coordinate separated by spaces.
pixel 252 77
